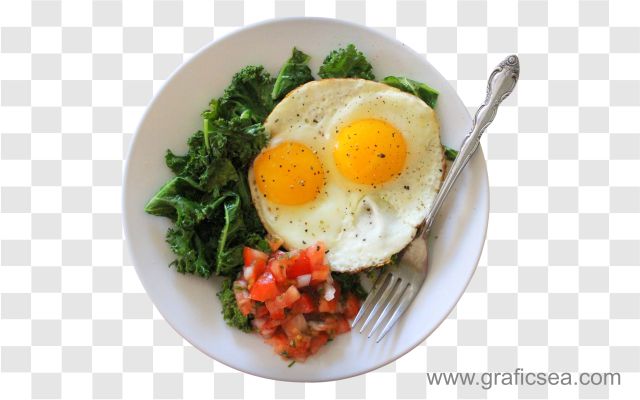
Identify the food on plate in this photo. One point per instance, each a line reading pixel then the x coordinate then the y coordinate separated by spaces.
pixel 352 163
pixel 346 62
pixel 297 306
pixel 416 88
pixel 450 153
pixel 338 172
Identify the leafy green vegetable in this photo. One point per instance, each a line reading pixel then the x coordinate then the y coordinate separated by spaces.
pixel 428 94
pixel 192 164
pixel 346 62
pixel 227 259
pixel 294 72
pixel 209 225
pixel 237 139
pixel 248 97
pixel 209 200
pixel 230 311
pixel 258 242
pixel 164 202
pixel 450 153
pixel 350 283
pixel 192 237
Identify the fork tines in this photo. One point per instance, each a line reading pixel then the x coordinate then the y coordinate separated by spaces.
pixel 391 292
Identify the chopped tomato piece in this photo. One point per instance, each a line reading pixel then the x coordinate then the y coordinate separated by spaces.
pixel 317 342
pixel 264 288
pixel 328 306
pixel 263 328
pixel 252 272
pixel 273 323
pixel 245 304
pixel 342 325
pixel 280 343
pixel 320 274
pixel 316 254
pixel 290 296
pixel 276 306
pixel 279 270
pixel 261 311
pixel 327 324
pixel 276 311
pixel 299 347
pixel 294 326
pixel 351 306
pixel 254 264
pixel 295 349
pixel 333 305
pixel 299 266
pixel 304 305
pixel 254 257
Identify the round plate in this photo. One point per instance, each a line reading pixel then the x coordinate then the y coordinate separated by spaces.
pixel 189 303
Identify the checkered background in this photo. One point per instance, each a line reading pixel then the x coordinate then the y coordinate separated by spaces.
pixel 557 288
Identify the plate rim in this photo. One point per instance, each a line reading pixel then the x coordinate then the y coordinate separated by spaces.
pixel 126 172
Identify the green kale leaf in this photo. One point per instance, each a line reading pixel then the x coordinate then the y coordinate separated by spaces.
pixel 248 97
pixel 350 283
pixel 346 62
pixel 294 72
pixel 258 242
pixel 209 215
pixel 237 139
pixel 208 200
pixel 428 94
pixel 229 256
pixel 194 162
pixel 164 202
pixel 450 153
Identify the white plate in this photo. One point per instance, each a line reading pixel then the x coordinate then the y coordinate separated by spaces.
pixel 189 303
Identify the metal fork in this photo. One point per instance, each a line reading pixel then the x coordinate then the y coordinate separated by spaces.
pixel 395 289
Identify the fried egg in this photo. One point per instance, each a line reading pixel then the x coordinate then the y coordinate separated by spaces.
pixel 353 163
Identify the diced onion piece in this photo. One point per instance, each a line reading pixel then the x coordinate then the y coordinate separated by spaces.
pixel 303 280
pixel 248 272
pixel 329 291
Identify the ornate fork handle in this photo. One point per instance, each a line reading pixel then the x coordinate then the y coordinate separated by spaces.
pixel 501 83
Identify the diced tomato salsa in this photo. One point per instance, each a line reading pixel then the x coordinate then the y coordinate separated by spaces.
pixel 296 306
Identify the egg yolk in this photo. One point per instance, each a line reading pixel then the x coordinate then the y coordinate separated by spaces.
pixel 370 151
pixel 289 174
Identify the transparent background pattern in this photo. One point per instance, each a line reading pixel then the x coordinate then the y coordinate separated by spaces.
pixel 557 288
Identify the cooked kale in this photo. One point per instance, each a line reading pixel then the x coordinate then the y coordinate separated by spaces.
pixel 294 72
pixel 248 96
pixel 346 62
pixel 350 283
pixel 450 153
pixel 209 200
pixel 428 94
pixel 237 139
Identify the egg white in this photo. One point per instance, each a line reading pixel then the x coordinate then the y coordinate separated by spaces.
pixel 361 225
